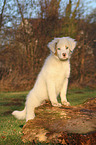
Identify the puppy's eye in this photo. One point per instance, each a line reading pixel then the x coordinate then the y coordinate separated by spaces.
pixel 66 47
pixel 58 48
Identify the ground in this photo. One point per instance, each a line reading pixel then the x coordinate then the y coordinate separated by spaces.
pixel 72 125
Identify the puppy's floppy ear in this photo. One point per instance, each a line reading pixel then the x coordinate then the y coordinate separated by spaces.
pixel 72 43
pixel 52 45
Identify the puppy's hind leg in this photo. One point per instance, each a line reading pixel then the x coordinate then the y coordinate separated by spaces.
pixel 31 104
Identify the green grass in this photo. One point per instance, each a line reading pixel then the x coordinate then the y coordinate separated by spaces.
pixel 11 128
pixel 79 96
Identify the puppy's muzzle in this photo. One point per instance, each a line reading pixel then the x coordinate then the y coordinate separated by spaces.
pixel 64 54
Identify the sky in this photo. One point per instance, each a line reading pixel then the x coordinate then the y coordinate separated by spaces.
pixel 89 6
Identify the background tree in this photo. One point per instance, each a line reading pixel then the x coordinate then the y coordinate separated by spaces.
pixel 1 14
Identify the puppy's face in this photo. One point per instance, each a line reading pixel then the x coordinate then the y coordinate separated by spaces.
pixel 62 47
pixel 62 50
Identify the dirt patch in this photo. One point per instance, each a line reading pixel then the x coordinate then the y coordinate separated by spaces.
pixel 65 125
pixel 14 102
pixel 78 92
pixel 6 113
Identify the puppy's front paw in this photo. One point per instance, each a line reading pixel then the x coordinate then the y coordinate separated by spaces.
pixel 30 117
pixel 66 103
pixel 56 104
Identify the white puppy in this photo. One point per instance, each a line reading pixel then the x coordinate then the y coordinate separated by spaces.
pixel 52 79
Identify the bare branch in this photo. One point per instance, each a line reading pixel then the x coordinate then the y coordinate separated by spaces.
pixel 1 15
pixel 68 9
pixel 75 10
pixel 20 11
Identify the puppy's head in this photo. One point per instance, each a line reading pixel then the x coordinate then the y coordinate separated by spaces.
pixel 62 47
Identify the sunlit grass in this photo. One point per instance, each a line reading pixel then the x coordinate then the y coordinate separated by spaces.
pixel 79 96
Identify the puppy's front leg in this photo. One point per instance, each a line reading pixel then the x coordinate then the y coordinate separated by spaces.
pixel 63 93
pixel 52 93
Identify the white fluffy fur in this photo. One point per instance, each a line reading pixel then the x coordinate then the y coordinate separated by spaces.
pixel 52 79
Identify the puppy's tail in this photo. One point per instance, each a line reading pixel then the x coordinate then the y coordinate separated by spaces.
pixel 20 114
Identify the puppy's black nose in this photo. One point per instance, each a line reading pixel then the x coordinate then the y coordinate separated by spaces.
pixel 64 54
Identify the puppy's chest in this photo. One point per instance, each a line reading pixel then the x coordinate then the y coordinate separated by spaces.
pixel 58 83
pixel 57 72
pixel 59 76
pixel 61 72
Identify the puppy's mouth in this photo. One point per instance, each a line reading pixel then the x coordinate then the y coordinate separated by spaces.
pixel 63 59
